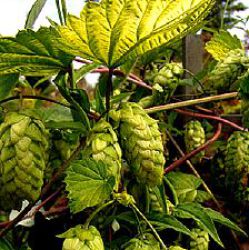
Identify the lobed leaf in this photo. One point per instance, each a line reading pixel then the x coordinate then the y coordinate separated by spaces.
pixel 33 53
pixel 116 31
pixel 88 184
pixel 221 43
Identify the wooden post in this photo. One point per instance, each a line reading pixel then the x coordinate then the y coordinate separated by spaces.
pixel 192 54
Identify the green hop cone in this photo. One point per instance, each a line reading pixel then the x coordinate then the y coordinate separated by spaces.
pixel 200 240
pixel 237 165
pixel 141 143
pixel 147 243
pixel 102 144
pixel 78 238
pixel 164 82
pixel 228 70
pixel 155 204
pixel 24 144
pixel 194 137
pixel 169 75
pixel 176 248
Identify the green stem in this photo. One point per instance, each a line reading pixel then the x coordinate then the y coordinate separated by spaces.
pixel 150 225
pixel 147 200
pixel 138 221
pixel 172 189
pixel 59 11
pixel 223 14
pixel 64 10
pixel 90 218
pixel 191 102
pixel 109 89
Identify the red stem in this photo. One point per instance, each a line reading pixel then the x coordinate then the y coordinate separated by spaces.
pixel 180 161
pixel 211 117
pixel 132 77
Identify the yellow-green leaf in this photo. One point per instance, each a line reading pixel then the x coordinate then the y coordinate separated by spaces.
pixel 114 31
pixel 33 53
pixel 221 43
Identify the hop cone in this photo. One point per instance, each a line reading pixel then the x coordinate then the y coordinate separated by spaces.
pixel 78 238
pixel 237 165
pixel 194 137
pixel 168 75
pixel 141 143
pixel 228 70
pixel 23 145
pixel 164 83
pixel 200 240
pixel 147 243
pixel 176 248
pixel 102 144
pixel 155 204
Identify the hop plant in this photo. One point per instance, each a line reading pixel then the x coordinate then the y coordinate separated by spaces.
pixel 200 240
pixel 236 165
pixel 24 144
pixel 102 144
pixel 141 143
pixel 148 242
pixel 194 137
pixel 78 238
pixel 228 70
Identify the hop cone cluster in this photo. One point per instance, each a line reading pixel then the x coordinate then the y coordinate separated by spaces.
pixel 78 238
pixel 147 243
pixel 102 144
pixel 200 240
pixel 228 70
pixel 237 165
pixel 24 143
pixel 141 143
pixel 194 137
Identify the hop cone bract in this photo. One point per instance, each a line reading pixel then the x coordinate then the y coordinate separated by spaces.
pixel 237 165
pixel 102 144
pixel 24 143
pixel 78 238
pixel 200 240
pixel 147 243
pixel 141 143
pixel 194 137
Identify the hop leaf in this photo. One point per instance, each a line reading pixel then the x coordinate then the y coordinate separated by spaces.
pixel 102 144
pixel 88 183
pixel 24 144
pixel 129 29
pixel 79 238
pixel 142 143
